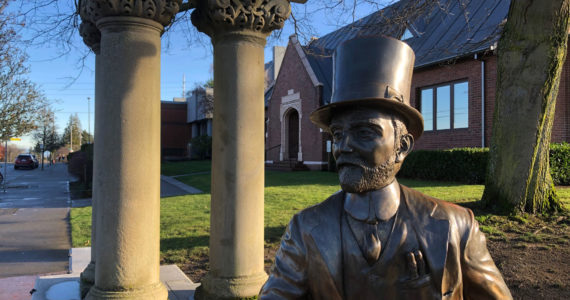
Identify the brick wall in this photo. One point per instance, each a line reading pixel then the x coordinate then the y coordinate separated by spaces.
pixel 294 76
pixel 174 130
pixel 561 126
pixel 470 70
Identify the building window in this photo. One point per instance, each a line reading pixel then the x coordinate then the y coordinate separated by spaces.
pixel 445 106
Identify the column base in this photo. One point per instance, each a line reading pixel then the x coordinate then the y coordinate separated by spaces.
pixel 87 279
pixel 243 287
pixel 152 292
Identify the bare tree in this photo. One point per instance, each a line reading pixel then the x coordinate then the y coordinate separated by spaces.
pixel 20 99
pixel 204 95
pixel 532 50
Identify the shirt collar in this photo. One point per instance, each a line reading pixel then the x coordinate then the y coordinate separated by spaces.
pixel 374 206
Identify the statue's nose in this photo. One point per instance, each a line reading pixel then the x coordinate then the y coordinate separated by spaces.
pixel 344 145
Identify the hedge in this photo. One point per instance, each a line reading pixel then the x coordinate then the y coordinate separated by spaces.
pixel 469 164
pixel 560 163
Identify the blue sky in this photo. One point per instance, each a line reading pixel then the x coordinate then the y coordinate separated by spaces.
pixel 67 80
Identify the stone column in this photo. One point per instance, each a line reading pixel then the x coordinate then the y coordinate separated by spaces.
pixel 127 147
pixel 92 38
pixel 238 30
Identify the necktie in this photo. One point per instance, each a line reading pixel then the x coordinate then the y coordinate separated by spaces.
pixel 372 244
pixel 366 234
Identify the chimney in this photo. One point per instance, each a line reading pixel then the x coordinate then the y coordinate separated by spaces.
pixel 278 54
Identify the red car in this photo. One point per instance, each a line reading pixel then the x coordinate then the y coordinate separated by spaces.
pixel 26 161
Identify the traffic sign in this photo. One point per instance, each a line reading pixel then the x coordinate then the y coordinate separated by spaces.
pixel 15 139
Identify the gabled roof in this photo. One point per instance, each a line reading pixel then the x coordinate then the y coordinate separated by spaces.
pixel 450 30
pixel 321 65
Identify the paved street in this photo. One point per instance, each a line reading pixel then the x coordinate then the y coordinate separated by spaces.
pixel 34 230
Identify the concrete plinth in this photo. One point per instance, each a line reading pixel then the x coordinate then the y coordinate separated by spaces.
pixel 127 154
pixel 66 287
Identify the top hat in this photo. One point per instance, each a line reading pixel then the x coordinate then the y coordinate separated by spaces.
pixel 373 72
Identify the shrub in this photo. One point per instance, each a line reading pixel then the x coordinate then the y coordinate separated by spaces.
pixel 81 166
pixel 201 147
pixel 460 165
pixel 469 164
pixel 560 163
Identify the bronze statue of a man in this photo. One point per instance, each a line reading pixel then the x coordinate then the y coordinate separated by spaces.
pixel 377 239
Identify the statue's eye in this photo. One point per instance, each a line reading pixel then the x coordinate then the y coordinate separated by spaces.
pixel 365 133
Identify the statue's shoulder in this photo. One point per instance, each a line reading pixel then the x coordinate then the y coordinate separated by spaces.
pixel 327 211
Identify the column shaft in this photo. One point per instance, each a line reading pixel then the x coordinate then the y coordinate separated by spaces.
pixel 236 229
pixel 127 154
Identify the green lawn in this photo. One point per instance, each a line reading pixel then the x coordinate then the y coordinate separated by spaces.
pixel 185 219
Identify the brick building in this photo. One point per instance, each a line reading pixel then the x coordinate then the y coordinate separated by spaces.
pixel 174 129
pixel 453 85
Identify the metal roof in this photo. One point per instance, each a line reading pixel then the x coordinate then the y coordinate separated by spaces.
pixel 449 30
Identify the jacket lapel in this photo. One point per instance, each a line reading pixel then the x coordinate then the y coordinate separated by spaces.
pixel 431 230
pixel 328 242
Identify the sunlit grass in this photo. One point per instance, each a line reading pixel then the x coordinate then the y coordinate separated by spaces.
pixel 185 220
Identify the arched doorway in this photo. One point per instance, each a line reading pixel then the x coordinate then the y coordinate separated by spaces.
pixel 293 134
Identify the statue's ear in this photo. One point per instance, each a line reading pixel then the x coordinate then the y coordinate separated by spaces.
pixel 406 146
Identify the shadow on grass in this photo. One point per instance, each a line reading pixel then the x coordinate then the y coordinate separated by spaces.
pixel 418 183
pixel 480 209
pixel 277 178
pixel 273 234
pixel 182 243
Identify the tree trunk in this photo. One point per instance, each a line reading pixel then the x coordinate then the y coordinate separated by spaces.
pixel 532 50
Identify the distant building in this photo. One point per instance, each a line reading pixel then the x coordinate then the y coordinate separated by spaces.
pixel 200 111
pixel 174 129
pixel 453 85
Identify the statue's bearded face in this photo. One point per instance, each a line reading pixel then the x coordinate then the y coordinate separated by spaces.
pixel 364 149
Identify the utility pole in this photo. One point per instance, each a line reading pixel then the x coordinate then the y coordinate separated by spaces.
pixel 88 121
pixel 183 86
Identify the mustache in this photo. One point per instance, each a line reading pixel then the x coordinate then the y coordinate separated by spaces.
pixel 347 161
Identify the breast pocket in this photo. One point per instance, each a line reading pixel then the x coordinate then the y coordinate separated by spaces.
pixel 418 289
pixel 418 283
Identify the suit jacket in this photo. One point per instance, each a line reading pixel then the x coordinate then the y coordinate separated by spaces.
pixel 308 264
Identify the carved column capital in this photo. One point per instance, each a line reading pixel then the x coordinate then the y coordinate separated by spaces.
pixel 161 11
pixel 214 17
pixel 91 35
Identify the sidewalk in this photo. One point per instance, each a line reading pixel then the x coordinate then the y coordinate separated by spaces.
pixel 66 286
pixel 171 187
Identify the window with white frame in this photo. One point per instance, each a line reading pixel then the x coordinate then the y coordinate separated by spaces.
pixel 445 106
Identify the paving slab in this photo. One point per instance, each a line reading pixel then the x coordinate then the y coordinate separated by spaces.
pixel 171 187
pixel 17 288
pixel 66 287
